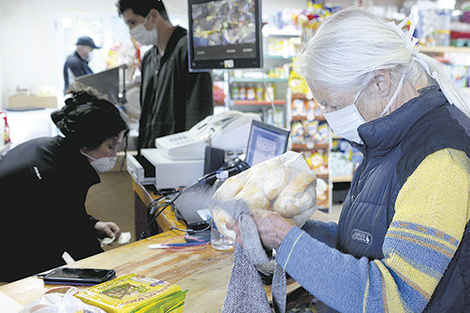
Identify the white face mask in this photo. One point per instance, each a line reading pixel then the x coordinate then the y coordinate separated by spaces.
pixel 345 121
pixel 90 55
pixel 102 165
pixel 144 36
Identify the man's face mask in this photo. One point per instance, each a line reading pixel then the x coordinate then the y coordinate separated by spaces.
pixel 144 36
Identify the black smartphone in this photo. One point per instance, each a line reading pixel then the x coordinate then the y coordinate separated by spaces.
pixel 78 276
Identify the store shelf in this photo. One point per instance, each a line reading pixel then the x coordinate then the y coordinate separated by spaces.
pixel 278 57
pixel 259 80
pixel 289 32
pixel 306 147
pixel 258 102
pixel 304 118
pixel 440 49
pixel 324 176
pixel 297 96
pixel 341 179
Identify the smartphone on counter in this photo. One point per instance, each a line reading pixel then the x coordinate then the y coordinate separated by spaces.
pixel 77 276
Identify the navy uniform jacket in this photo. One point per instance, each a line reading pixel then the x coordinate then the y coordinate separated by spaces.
pixel 77 65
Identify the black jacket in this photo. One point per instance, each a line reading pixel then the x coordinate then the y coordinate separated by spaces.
pixel 43 187
pixel 77 65
pixel 172 99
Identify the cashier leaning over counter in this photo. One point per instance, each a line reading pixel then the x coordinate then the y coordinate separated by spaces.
pixel 43 187
pixel 402 243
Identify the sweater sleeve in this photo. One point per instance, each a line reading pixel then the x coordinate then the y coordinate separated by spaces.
pixel 431 212
pixel 321 231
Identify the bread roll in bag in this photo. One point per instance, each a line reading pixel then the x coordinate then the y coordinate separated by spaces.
pixel 284 184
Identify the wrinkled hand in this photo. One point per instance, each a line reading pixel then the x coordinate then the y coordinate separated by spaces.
pixel 110 229
pixel 272 228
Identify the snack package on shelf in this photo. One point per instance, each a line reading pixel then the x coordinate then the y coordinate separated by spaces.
pixel 317 160
pixel 135 293
pixel 283 184
pixel 298 133
pixel 298 108
pixel 323 194
pixel 316 132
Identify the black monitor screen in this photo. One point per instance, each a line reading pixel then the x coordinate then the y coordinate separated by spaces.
pixel 224 34
pixel 265 142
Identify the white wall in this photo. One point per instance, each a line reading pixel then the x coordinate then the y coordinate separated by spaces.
pixel 30 39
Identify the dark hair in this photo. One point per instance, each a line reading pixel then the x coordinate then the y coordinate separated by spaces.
pixel 88 121
pixel 142 7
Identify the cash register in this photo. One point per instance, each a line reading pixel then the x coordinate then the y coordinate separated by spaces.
pixel 179 159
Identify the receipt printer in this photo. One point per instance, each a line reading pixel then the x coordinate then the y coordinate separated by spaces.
pixel 163 172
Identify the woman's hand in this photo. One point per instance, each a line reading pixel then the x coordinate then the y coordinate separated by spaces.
pixel 110 229
pixel 272 228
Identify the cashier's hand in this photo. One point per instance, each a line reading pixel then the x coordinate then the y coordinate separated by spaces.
pixel 272 228
pixel 109 229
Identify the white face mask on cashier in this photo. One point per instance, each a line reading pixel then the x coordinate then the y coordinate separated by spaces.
pixel 345 121
pixel 102 165
pixel 144 36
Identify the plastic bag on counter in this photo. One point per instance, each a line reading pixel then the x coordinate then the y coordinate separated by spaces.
pixel 284 184
pixel 59 302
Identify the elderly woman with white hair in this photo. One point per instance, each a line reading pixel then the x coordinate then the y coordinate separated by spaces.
pixel 402 243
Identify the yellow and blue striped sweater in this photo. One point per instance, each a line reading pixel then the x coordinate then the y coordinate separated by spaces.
pixel 431 212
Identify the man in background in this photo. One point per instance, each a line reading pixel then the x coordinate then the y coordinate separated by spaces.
pixel 76 64
pixel 172 98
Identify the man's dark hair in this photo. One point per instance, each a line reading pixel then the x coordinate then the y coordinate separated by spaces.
pixel 142 7
pixel 88 121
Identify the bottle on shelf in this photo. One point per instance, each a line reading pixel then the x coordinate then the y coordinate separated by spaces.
pixel 259 92
pixel 271 93
pixel 235 92
pixel 242 92
pixel 218 240
pixel 250 92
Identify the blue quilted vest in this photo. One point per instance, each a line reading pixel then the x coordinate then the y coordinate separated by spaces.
pixel 394 146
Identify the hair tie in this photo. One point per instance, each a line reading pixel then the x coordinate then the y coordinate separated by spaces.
pixel 406 35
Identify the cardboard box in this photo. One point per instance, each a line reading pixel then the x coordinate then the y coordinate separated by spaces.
pixel 26 102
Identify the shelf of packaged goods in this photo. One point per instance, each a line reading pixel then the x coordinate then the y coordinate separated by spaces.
pixel 341 179
pixel 324 176
pixel 259 80
pixel 441 49
pixel 278 57
pixel 305 147
pixel 304 118
pixel 300 96
pixel 258 102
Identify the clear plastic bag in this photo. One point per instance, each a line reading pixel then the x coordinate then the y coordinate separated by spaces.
pixel 284 184
pixel 56 302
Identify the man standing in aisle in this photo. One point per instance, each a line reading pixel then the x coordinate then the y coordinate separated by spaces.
pixel 77 64
pixel 172 98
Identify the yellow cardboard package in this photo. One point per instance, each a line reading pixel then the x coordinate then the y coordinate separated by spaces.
pixel 135 293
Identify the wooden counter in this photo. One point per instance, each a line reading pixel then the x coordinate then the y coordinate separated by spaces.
pixel 204 271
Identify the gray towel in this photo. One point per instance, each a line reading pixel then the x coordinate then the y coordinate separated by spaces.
pixel 245 291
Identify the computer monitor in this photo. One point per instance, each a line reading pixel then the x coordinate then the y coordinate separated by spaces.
pixel 265 142
pixel 224 34
pixel 108 82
